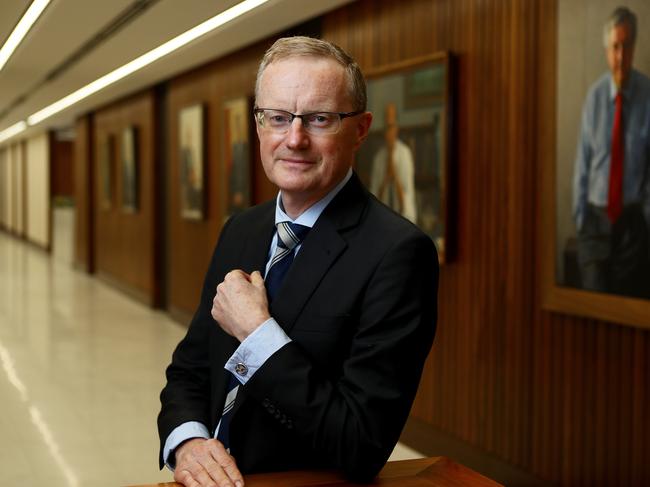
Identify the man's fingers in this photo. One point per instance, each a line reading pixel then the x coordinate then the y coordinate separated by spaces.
pixel 237 274
pixel 226 462
pixel 185 477
pixel 212 475
pixel 257 279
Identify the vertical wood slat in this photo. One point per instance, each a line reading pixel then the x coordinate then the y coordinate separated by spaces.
pixel 84 194
pixel 553 394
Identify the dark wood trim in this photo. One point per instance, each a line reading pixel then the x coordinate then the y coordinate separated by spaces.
pixel 125 288
pixel 430 441
pixel 180 315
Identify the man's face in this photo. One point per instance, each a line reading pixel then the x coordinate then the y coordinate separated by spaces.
pixel 620 51
pixel 304 165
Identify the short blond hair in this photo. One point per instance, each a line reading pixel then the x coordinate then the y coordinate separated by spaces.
pixel 288 47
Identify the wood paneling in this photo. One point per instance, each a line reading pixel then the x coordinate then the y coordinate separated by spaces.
pixel 191 242
pixel 561 396
pixel 63 172
pixel 84 193
pixel 126 243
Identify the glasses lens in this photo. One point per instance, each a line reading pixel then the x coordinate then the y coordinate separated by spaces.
pixel 276 119
pixel 314 123
pixel 322 123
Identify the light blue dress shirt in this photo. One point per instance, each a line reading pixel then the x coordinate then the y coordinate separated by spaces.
pixel 591 174
pixel 265 340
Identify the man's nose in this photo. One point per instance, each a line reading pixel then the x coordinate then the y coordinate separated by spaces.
pixel 297 135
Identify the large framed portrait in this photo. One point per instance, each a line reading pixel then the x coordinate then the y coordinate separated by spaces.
pixel 405 160
pixel 106 171
pixel 599 260
pixel 130 169
pixel 237 154
pixel 191 161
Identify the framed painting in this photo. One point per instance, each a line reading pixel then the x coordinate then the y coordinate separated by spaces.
pixel 237 154
pixel 405 161
pixel 130 170
pixel 106 180
pixel 191 161
pixel 599 260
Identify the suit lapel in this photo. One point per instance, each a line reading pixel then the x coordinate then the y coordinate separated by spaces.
pixel 319 251
pixel 256 242
pixel 322 247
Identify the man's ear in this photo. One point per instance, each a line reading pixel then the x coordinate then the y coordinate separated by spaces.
pixel 363 128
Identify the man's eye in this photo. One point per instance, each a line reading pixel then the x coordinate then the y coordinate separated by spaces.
pixel 320 119
pixel 278 119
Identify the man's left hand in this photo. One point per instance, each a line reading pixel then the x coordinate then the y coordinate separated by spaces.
pixel 240 305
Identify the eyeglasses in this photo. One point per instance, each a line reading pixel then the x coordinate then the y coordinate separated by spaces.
pixel 316 123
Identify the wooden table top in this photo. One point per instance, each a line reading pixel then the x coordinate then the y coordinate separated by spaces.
pixel 421 472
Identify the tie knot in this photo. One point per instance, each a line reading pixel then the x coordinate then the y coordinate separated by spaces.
pixel 291 234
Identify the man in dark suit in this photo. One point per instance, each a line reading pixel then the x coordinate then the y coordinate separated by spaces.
pixel 319 368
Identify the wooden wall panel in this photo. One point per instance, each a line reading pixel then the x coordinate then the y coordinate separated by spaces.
pixel 84 194
pixel 561 396
pixel 62 176
pixel 191 242
pixel 126 244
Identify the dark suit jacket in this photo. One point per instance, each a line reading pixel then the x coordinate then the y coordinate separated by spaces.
pixel 359 304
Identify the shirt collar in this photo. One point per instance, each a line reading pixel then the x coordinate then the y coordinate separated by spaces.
pixel 310 215
pixel 613 89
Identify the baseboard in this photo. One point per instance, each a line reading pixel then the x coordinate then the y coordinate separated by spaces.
pixel 432 442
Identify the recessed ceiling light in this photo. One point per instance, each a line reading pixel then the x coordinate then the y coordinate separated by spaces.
pixel 22 28
pixel 144 60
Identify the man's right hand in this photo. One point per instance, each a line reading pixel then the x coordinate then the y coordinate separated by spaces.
pixel 206 463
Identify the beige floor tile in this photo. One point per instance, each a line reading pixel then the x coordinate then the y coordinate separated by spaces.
pixel 81 368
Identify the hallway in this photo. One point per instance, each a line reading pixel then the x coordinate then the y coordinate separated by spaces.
pixel 82 367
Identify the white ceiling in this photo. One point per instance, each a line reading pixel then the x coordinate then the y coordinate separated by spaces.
pixel 66 25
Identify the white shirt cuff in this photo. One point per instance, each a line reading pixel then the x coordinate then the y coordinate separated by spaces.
pixel 183 432
pixel 256 349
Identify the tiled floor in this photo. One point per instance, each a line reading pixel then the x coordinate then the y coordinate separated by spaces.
pixel 81 367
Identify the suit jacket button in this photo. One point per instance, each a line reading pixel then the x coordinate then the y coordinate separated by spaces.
pixel 241 369
pixel 266 402
pixel 289 424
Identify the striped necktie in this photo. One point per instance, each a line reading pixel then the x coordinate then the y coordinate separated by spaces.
pixel 223 427
pixel 289 237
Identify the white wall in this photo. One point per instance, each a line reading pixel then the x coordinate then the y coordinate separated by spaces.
pixel 18 170
pixel 38 190
pixel 4 220
pixel 9 191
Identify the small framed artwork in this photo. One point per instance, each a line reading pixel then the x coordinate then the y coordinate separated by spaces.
pixel 191 161
pixel 237 154
pixel 106 180
pixel 405 161
pixel 130 170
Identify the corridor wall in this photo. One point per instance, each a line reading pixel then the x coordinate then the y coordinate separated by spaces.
pixel 38 190
pixel 126 242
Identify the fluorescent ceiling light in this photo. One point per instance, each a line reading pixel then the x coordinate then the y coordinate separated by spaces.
pixel 144 60
pixel 15 129
pixel 22 28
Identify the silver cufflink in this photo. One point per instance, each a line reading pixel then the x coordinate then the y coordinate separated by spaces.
pixel 241 369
